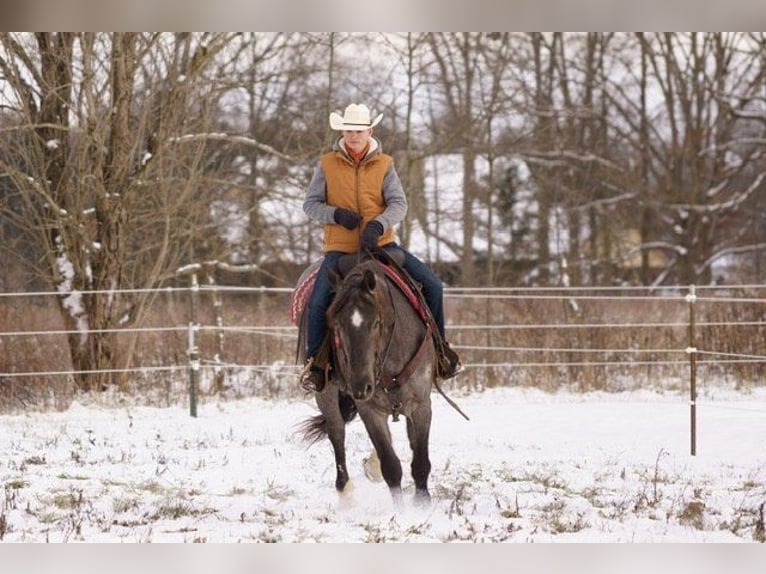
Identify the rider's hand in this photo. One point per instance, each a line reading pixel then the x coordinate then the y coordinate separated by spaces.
pixel 370 236
pixel 347 218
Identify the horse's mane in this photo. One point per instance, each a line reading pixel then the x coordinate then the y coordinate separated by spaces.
pixel 351 283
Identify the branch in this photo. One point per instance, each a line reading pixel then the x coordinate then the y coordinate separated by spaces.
pixel 733 203
pixel 733 144
pixel 744 115
pixel 194 267
pixel 37 126
pixel 606 201
pixel 236 139
pixel 729 251
pixel 678 249
pixel 557 156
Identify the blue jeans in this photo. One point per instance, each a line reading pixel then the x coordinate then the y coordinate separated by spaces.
pixel 321 296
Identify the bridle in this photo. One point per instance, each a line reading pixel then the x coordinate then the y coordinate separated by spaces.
pixel 380 357
pixel 379 364
pixel 391 384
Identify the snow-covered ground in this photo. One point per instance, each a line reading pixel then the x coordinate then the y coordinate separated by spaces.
pixel 528 466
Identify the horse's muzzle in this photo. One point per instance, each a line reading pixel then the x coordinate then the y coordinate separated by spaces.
pixel 363 392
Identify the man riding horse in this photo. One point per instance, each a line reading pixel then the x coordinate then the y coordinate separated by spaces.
pixel 356 193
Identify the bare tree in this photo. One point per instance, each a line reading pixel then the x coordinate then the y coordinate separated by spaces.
pixel 544 137
pixel 408 51
pixel 456 63
pixel 499 60
pixel 697 149
pixel 100 169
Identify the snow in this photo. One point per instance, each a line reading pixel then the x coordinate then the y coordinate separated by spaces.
pixel 528 467
pixel 72 298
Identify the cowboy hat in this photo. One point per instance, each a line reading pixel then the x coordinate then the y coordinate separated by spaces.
pixel 356 117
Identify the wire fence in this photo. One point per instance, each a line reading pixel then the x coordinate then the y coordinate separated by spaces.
pixel 587 337
pixel 209 339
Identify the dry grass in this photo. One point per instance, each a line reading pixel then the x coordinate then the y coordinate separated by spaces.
pixel 585 344
pixel 607 344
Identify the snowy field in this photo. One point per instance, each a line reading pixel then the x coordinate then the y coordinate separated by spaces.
pixel 527 467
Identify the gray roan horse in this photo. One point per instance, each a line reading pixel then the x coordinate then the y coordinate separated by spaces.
pixel 384 365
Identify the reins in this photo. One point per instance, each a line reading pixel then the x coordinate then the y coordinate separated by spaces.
pixel 380 358
pixel 392 330
pixel 391 384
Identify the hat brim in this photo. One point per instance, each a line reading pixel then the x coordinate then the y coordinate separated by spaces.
pixel 337 123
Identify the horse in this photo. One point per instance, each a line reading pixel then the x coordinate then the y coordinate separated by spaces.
pixel 384 365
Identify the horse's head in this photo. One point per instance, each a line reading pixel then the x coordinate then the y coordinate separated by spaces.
pixel 358 318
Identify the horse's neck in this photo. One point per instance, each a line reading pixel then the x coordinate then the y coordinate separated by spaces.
pixel 409 323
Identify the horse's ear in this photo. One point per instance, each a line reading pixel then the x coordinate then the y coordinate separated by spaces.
pixel 369 280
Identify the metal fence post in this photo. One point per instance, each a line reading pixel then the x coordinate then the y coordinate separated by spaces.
pixel 218 373
pixel 691 298
pixel 193 350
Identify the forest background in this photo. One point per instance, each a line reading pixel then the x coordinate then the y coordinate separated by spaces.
pixel 540 159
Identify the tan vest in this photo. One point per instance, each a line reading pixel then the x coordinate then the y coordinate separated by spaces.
pixel 359 189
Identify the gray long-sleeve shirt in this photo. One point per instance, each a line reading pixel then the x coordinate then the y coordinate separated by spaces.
pixel 316 207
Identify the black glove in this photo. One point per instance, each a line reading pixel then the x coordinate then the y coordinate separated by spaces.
pixel 347 218
pixel 370 236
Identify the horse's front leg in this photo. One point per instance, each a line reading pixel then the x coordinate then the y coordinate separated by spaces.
pixel 328 403
pixel 418 430
pixel 390 467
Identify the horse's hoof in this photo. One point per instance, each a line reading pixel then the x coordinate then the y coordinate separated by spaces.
pixel 371 465
pixel 422 498
pixel 346 495
pixel 396 496
pixel 347 490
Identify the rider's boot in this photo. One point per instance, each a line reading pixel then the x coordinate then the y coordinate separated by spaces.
pixel 313 377
pixel 449 364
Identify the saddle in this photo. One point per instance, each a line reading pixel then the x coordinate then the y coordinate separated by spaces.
pixel 392 262
pixel 303 288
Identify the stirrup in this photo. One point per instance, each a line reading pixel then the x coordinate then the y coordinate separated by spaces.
pixel 451 371
pixel 312 378
pixel 449 363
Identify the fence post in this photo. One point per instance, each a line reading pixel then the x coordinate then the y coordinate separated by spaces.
pixel 193 350
pixel 218 373
pixel 691 298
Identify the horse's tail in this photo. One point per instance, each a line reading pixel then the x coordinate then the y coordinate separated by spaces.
pixel 315 428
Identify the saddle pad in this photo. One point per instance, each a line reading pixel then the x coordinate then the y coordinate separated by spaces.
pixel 405 288
pixel 302 291
pixel 305 286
